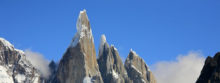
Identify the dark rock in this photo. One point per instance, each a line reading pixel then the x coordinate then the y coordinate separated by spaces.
pixel 211 70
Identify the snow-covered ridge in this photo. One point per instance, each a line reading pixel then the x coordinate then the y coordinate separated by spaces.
pixel 115 75
pixel 6 70
pixel 6 43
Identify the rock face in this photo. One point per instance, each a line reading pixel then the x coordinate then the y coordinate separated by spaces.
pixel 110 64
pixel 14 67
pixel 211 70
pixel 137 70
pixel 79 65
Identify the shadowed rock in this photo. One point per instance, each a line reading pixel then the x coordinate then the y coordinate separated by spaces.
pixel 211 70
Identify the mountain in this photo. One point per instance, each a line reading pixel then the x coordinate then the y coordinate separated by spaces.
pixel 137 69
pixel 53 69
pixel 110 64
pixel 79 65
pixel 211 70
pixel 14 67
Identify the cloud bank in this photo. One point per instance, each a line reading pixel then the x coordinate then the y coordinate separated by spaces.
pixel 186 69
pixel 39 62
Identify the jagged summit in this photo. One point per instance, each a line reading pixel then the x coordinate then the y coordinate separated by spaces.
pixel 112 46
pixel 83 25
pixel 103 39
pixel 137 69
pixel 78 63
pixel 83 28
pixel 133 52
pixel 6 44
pixel 110 64
pixel 103 44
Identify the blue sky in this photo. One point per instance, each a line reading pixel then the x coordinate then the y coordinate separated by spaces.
pixel 158 30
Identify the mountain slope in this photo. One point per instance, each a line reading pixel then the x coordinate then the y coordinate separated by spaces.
pixel 14 67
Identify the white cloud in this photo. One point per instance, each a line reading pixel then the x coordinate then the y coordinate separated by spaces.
pixel 186 69
pixel 39 62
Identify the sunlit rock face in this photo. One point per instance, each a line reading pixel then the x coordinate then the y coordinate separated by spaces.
pixel 137 69
pixel 14 67
pixel 79 63
pixel 211 70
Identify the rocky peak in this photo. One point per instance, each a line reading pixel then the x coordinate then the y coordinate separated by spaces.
pixel 211 70
pixel 83 29
pixel 137 69
pixel 6 49
pixel 79 61
pixel 52 65
pixel 133 55
pixel 83 25
pixel 53 69
pixel 103 45
pixel 110 64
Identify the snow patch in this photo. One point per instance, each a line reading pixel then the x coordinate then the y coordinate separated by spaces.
pixel 4 76
pixel 6 43
pixel 20 78
pixel 143 80
pixel 135 69
pixel 87 80
pixel 36 80
pixel 115 75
